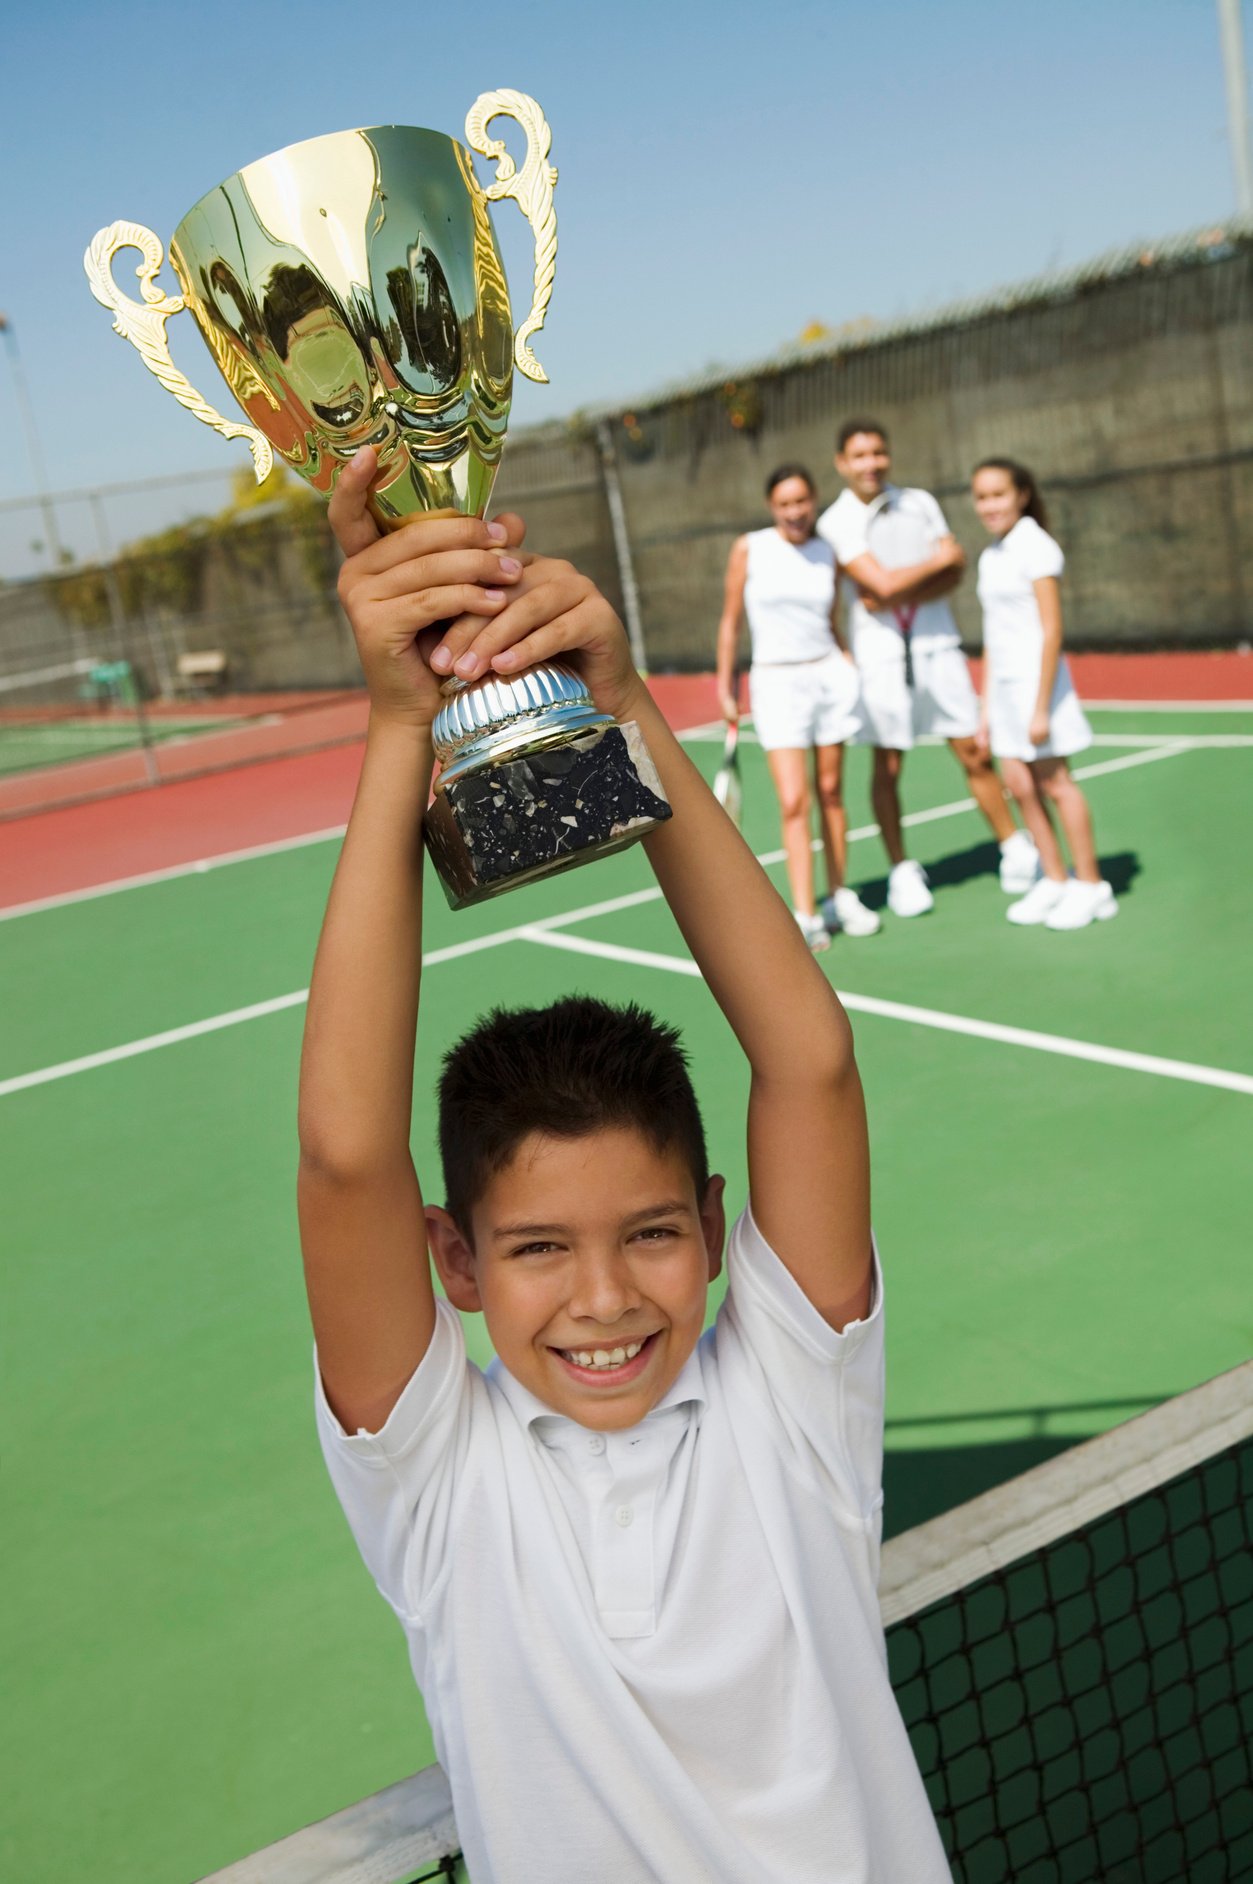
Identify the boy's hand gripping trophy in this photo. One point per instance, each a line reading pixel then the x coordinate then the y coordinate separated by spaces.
pixel 351 291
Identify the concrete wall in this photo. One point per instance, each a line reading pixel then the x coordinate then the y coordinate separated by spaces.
pixel 1129 390
pixel 1132 401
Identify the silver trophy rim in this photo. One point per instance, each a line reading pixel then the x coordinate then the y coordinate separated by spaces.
pixel 482 722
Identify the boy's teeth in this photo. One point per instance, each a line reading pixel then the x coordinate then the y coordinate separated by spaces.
pixel 603 1357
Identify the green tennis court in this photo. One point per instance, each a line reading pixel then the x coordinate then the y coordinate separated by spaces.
pixel 196 1661
pixel 62 738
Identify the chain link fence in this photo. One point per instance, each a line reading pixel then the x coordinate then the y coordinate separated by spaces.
pixel 130 653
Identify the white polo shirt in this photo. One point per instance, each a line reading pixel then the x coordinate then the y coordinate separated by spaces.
pixel 654 1654
pixel 898 528
pixel 1013 634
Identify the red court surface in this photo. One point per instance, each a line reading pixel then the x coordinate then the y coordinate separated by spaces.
pixel 133 831
pixel 265 793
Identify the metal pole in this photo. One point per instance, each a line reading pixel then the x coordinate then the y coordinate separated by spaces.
pixel 27 411
pixel 1231 33
pixel 121 628
pixel 622 545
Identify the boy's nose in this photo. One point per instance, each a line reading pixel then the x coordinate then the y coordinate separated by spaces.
pixel 604 1290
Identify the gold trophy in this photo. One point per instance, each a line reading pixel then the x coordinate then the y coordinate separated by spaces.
pixel 351 291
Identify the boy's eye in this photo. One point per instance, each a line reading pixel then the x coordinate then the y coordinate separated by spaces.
pixel 656 1233
pixel 533 1249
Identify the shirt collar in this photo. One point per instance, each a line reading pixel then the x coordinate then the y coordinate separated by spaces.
pixel 688 1390
pixel 885 500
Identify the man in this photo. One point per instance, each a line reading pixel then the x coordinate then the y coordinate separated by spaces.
pixel 898 549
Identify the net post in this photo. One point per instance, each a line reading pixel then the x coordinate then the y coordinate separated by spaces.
pixel 121 629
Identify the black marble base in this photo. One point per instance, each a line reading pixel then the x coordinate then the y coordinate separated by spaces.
pixel 536 813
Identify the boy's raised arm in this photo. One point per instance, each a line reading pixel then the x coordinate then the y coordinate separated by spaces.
pixel 807 1142
pixel 361 1221
pixel 808 1150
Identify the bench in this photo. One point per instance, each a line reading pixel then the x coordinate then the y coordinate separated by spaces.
pixel 200 672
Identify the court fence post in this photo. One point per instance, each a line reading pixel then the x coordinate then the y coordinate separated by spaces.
pixel 622 545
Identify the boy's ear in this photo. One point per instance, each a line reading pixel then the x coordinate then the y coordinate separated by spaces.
pixel 453 1258
pixel 713 1223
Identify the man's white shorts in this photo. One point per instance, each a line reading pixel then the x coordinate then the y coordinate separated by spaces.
pixel 805 703
pixel 942 700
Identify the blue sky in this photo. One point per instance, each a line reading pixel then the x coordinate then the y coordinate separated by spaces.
pixel 729 172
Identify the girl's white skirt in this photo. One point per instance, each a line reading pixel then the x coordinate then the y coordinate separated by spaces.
pixel 1010 705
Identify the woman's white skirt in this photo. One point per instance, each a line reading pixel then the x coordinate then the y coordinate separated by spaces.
pixel 1011 703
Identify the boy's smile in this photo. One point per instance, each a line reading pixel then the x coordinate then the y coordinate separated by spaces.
pixel 591 1261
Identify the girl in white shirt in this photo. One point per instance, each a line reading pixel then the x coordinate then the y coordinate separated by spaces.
pixel 1031 716
pixel 805 690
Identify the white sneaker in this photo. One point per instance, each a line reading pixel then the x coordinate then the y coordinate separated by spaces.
pixel 1043 896
pixel 844 909
pixel 1020 863
pixel 814 930
pixel 908 894
pixel 1082 903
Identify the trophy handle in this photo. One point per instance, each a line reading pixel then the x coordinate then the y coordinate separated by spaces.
pixel 143 324
pixel 532 189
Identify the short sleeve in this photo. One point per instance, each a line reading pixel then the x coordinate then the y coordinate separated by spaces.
pixel 846 528
pixel 395 1486
pixel 1036 552
pixel 937 523
pixel 825 1388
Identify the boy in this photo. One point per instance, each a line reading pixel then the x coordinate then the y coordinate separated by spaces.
pixel 898 549
pixel 636 1568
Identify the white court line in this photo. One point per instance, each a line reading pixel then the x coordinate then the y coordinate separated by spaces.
pixel 200 866
pixel 933 1017
pixel 1168 706
pixel 1198 741
pixel 257 1010
pixel 151 1042
pixel 1163 748
pixel 525 931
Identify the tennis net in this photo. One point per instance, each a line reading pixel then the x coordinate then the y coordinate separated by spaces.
pixel 1073 1656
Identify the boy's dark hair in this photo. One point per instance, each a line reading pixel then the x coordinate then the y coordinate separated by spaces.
pixel 569 1069
pixel 782 472
pixel 1023 482
pixel 851 427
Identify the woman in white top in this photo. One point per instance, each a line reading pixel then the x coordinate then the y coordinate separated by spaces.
pixel 804 689
pixel 1031 716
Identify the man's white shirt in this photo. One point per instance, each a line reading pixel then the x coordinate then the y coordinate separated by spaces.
pixel 654 1654
pixel 898 528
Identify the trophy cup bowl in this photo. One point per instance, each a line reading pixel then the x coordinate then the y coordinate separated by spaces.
pixel 351 293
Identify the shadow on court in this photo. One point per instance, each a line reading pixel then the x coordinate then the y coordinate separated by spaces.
pixel 921 1482
pixel 982 860
pixel 920 1485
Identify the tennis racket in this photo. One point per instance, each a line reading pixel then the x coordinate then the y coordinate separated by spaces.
pixel 905 621
pixel 728 788
pixel 897 536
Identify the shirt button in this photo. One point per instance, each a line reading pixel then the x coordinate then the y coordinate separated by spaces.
pixel 596 1443
pixel 624 1516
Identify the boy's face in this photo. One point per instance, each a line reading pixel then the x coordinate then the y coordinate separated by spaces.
pixel 591 1261
pixel 864 464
